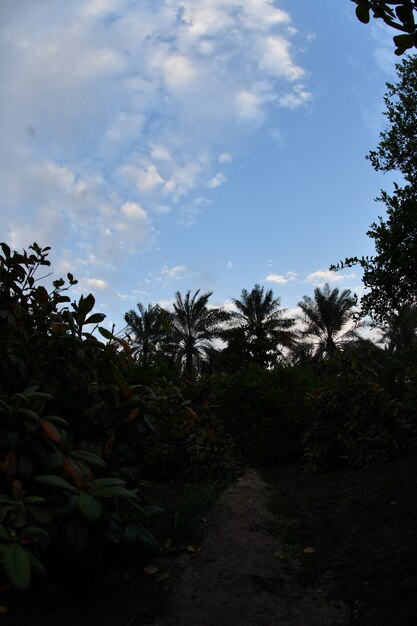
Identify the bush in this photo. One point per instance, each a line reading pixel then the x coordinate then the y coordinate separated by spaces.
pixel 353 419
pixel 262 410
pixel 62 392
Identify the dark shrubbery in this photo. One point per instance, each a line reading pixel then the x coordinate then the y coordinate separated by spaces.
pixel 72 416
pixel 353 419
pixel 263 410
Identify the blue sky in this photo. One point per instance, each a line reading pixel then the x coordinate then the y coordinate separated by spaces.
pixel 160 145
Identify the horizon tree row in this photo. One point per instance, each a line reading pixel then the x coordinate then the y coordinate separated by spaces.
pixel 195 336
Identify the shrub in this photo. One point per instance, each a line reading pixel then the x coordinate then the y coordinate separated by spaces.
pixel 353 419
pixel 62 392
pixel 262 410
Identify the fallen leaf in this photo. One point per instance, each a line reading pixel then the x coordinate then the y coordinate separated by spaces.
pixel 192 548
pixel 151 569
pixel 3 609
pixel 167 543
pixel 309 550
pixel 279 554
pixel 161 577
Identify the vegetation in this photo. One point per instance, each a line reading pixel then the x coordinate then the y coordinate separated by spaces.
pixel 398 14
pixel 258 329
pixel 328 319
pixel 390 277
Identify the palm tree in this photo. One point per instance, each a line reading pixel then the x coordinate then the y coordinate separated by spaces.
pixel 258 326
pixel 328 318
pixel 194 326
pixel 147 327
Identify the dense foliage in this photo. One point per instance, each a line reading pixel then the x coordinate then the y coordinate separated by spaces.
pixel 390 276
pixel 72 417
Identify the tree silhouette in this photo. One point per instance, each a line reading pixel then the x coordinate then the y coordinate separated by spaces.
pixel 194 326
pixel 147 327
pixel 326 318
pixel 258 327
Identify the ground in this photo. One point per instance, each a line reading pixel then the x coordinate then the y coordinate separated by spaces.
pixel 280 547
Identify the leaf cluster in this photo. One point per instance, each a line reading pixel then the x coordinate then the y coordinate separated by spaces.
pixel 398 14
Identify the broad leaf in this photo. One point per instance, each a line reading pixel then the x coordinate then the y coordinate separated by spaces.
pixel 16 565
pixel 88 457
pixel 56 481
pixel 89 507
pixel 362 13
pixel 112 492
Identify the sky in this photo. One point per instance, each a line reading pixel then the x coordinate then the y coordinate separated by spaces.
pixel 161 146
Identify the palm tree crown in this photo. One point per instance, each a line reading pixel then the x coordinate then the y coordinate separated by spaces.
pixel 258 324
pixel 147 327
pixel 326 317
pixel 194 326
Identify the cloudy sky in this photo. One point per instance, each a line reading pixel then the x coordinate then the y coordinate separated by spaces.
pixel 164 145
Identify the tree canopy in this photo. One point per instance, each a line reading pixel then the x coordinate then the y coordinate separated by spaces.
pixel 194 326
pixel 398 14
pixel 327 317
pixel 258 327
pixel 390 276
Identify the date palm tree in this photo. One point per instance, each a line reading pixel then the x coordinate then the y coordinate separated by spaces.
pixel 146 325
pixel 328 319
pixel 258 327
pixel 194 326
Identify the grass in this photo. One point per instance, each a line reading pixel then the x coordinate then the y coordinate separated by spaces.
pixel 185 510
pixel 290 535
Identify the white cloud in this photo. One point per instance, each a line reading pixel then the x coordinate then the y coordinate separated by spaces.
pixel 225 157
pixel 327 276
pixel 277 60
pixel 173 273
pixel 134 211
pixel 178 71
pixel 279 279
pixel 97 283
pixel 276 278
pixel 216 181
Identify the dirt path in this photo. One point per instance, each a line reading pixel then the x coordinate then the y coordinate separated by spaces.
pixel 236 580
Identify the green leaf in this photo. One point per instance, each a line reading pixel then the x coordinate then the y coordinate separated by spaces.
pixel 106 334
pixel 4 535
pixel 153 511
pixel 136 533
pixel 88 457
pixel 38 535
pixel 56 481
pixel 85 305
pixel 6 250
pixel 151 422
pixel 36 565
pixel 404 41
pixel 96 318
pixel 16 565
pixel 112 492
pixel 77 534
pixel 31 419
pixel 56 419
pixel 362 13
pixel 90 508
pixel 405 14
pixel 109 482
